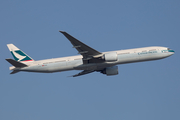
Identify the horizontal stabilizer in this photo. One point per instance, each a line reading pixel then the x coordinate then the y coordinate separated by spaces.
pixel 13 72
pixel 16 63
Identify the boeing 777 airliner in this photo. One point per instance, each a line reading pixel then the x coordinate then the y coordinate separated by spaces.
pixel 89 61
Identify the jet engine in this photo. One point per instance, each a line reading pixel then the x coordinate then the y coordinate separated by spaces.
pixel 110 70
pixel 110 57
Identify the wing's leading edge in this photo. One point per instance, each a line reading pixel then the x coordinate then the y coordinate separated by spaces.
pixel 83 49
pixel 83 73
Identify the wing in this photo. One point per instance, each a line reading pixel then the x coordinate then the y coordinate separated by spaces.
pixel 83 49
pixel 83 73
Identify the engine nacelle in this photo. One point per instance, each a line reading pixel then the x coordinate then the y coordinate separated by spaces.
pixel 110 70
pixel 110 57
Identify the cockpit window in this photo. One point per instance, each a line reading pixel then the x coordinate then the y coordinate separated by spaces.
pixel 168 49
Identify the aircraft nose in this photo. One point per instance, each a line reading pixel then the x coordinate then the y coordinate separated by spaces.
pixel 171 51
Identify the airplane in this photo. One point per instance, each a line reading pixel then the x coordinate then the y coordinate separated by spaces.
pixel 89 61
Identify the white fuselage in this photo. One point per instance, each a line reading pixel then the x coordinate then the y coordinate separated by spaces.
pixel 76 62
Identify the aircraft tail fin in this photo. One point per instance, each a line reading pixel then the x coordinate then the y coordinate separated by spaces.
pixel 18 54
pixel 16 63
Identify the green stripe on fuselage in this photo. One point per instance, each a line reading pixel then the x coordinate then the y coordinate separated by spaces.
pixel 170 50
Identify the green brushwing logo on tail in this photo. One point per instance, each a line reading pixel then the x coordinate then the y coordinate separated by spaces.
pixel 20 56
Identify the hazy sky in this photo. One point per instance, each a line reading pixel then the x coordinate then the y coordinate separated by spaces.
pixel 141 91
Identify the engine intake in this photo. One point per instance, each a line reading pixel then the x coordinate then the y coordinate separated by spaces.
pixel 110 70
pixel 110 57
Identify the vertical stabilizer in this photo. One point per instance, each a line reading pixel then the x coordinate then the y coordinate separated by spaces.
pixel 18 54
